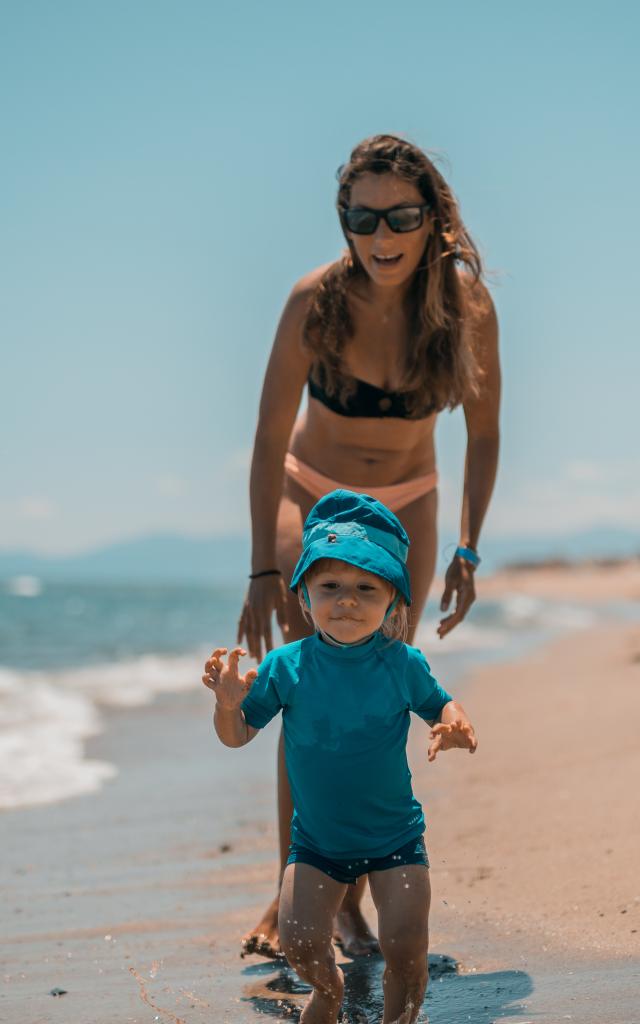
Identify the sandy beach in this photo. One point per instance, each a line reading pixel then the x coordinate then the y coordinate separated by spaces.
pixel 591 582
pixel 133 899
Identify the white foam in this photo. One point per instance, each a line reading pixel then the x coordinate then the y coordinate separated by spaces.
pixel 45 719
pixel 135 682
pixel 524 610
pixel 24 586
pixel 42 734
pixel 468 638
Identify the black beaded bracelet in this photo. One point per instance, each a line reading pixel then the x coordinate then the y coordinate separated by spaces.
pixel 265 572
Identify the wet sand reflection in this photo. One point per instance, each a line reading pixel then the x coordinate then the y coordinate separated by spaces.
pixel 452 994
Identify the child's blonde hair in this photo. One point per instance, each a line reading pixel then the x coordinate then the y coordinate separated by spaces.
pixel 396 627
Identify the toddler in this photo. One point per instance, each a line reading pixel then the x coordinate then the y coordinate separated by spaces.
pixel 345 694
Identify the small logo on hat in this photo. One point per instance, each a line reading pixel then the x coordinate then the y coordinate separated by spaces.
pixel 332 538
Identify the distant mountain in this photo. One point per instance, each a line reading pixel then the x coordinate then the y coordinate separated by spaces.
pixel 165 558
pixel 172 558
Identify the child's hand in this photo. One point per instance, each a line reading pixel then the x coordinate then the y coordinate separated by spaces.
pixel 229 687
pixel 458 733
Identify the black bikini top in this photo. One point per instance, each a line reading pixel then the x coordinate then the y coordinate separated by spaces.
pixel 367 400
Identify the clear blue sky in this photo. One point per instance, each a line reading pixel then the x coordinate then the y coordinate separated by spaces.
pixel 168 172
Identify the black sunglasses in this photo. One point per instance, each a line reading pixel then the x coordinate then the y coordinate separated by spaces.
pixel 360 220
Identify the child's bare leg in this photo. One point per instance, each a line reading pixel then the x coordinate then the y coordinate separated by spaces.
pixel 309 900
pixel 402 896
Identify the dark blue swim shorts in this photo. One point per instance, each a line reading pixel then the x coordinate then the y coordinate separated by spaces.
pixel 348 871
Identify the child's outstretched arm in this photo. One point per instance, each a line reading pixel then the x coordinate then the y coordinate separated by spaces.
pixel 453 730
pixel 230 689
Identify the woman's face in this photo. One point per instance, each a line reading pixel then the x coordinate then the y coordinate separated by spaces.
pixel 380 192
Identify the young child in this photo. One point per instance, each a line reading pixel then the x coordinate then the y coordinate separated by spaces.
pixel 345 694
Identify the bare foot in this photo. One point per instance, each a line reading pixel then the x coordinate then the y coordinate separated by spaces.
pixel 264 939
pixel 324 1008
pixel 352 933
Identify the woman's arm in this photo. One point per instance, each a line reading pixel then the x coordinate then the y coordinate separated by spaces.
pixel 483 431
pixel 284 381
pixel 481 463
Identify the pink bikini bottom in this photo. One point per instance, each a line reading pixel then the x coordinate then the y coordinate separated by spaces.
pixel 394 496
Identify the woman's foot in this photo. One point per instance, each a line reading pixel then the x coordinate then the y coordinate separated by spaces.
pixel 352 933
pixel 264 939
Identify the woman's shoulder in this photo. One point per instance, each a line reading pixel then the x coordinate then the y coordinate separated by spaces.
pixel 477 294
pixel 305 286
pixel 301 296
pixel 299 304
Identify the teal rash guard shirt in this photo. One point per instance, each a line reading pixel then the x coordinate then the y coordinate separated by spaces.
pixel 346 717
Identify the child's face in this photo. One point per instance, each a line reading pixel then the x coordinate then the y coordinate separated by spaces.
pixel 347 602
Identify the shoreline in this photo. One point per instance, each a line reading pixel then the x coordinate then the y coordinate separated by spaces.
pixel 133 899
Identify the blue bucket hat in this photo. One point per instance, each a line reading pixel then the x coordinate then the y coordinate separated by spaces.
pixel 357 529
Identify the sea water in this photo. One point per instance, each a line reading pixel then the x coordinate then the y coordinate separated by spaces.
pixel 69 651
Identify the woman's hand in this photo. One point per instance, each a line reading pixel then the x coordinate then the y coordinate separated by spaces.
pixel 458 733
pixel 458 580
pixel 265 595
pixel 228 685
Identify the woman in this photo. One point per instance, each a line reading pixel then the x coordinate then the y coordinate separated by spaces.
pixel 386 337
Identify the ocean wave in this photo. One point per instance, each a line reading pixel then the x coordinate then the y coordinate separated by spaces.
pixel 523 610
pixel 45 719
pixel 23 586
pixel 42 734
pixel 135 682
pixel 468 638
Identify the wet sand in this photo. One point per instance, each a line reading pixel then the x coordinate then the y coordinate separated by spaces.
pixel 133 899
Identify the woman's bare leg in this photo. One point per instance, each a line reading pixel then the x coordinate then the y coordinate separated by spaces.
pixel 264 939
pixel 294 508
pixel 420 521
pixel 352 932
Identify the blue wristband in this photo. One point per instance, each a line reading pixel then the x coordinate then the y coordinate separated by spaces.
pixel 469 555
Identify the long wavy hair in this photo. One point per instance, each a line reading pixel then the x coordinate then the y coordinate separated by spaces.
pixel 439 369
